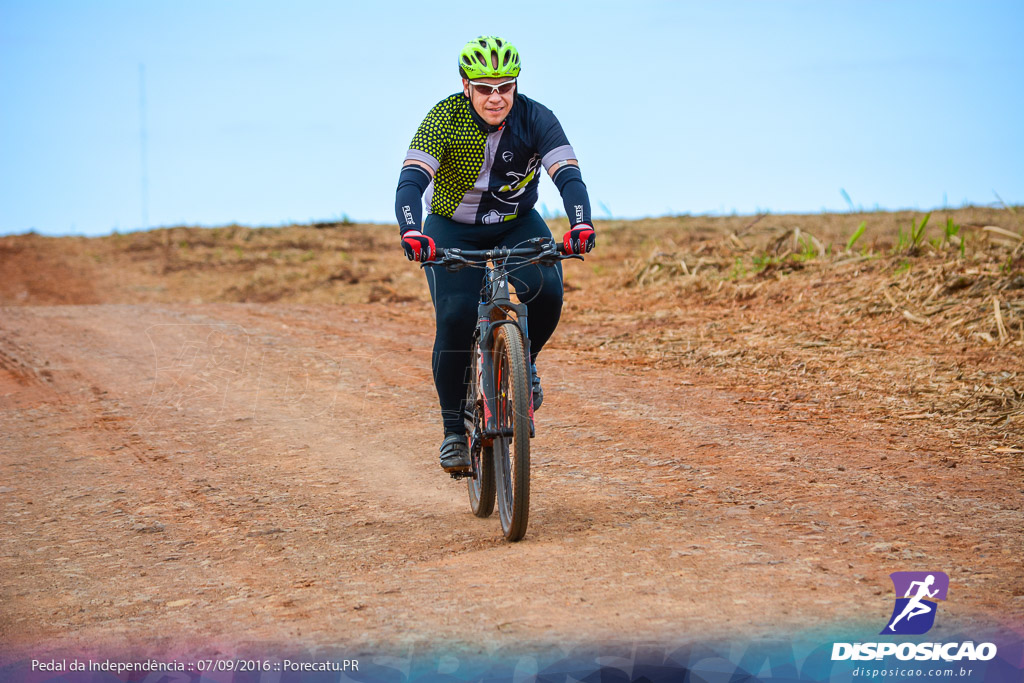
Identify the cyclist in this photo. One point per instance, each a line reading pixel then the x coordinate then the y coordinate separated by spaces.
pixel 477 156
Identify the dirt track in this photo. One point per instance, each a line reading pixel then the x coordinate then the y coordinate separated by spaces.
pixel 208 477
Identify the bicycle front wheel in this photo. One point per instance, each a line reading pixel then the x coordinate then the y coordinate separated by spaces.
pixel 512 445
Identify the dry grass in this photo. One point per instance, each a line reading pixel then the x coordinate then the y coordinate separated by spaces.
pixel 304 264
pixel 779 306
pixel 775 306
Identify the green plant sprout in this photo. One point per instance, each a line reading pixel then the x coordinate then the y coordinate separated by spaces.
pixel 738 269
pixel 856 235
pixel 911 241
pixel 762 261
pixel 807 249
pixel 952 229
pixel 917 231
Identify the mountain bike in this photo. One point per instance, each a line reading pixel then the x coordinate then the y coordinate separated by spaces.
pixel 498 410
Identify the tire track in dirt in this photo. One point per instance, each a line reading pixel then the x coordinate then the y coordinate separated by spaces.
pixel 362 527
pixel 812 498
pixel 105 452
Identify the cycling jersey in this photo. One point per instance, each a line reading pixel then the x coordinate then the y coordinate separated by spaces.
pixel 487 174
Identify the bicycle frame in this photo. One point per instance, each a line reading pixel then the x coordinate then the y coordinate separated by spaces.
pixel 496 308
pixel 495 301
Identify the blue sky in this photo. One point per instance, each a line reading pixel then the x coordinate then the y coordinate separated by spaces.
pixel 264 113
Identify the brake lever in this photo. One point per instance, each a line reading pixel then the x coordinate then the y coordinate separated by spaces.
pixel 451 263
pixel 456 265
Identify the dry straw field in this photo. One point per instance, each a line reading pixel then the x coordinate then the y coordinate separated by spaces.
pixel 904 316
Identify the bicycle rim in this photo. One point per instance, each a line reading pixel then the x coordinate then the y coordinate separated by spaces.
pixel 481 484
pixel 512 448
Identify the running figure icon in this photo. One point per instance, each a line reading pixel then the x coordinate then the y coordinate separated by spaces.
pixel 920 593
pixel 916 606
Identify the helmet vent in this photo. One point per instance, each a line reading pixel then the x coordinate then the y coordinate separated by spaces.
pixel 488 57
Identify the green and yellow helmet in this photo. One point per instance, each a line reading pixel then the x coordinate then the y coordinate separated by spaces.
pixel 479 57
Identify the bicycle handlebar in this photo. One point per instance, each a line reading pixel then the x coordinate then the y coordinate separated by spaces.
pixel 543 249
pixel 496 253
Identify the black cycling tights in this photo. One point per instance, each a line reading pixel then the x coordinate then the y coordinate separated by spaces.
pixel 456 296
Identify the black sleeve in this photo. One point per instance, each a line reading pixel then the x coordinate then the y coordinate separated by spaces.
pixel 569 182
pixel 412 183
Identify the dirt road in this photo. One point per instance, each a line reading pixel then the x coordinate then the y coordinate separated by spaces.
pixel 210 477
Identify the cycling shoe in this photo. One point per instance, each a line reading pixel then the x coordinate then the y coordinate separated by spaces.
pixel 455 453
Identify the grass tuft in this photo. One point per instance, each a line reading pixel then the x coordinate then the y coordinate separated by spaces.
pixel 858 233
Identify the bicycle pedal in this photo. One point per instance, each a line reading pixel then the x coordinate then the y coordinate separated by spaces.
pixel 460 475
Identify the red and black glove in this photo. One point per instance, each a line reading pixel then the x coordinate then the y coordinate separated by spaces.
pixel 579 240
pixel 418 247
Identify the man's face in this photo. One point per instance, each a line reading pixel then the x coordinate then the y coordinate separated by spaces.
pixel 489 104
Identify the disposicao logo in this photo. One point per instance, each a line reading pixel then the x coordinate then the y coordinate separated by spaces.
pixel 914 613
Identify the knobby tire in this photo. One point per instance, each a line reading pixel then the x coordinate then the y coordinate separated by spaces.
pixel 512 452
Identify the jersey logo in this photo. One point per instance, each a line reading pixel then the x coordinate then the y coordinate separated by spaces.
pixel 507 156
pixel 521 180
pixel 504 211
pixel 492 217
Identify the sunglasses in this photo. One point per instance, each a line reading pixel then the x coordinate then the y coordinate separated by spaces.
pixel 486 89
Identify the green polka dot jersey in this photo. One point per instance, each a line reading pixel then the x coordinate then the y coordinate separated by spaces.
pixel 450 135
pixel 482 177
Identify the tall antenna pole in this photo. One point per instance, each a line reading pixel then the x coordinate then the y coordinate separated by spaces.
pixel 142 146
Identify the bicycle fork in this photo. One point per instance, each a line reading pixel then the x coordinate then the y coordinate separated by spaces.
pixel 487 328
